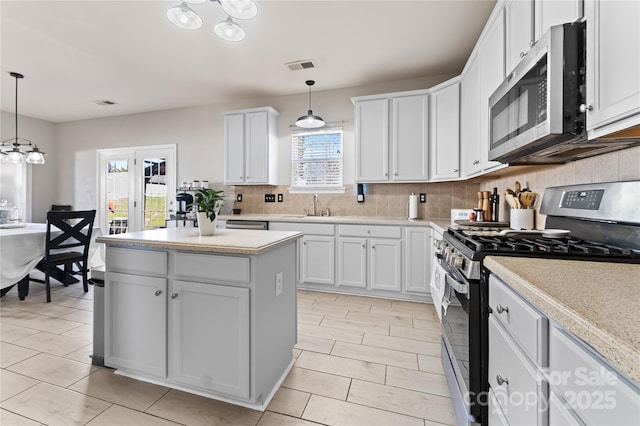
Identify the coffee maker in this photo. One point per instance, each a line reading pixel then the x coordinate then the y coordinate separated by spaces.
pixel 184 201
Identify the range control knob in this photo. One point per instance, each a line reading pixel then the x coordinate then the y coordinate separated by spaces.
pixel 458 262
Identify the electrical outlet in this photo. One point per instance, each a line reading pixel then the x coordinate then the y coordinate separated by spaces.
pixel 279 284
pixel 239 198
pixel 269 198
pixel 280 198
pixel 423 198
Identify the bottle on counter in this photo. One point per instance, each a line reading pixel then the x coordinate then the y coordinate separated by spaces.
pixel 486 205
pixel 494 200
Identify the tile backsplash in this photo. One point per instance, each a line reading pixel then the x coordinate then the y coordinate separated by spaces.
pixel 615 166
pixel 391 199
pixel 385 200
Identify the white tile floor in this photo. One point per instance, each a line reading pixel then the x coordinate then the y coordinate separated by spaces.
pixel 359 361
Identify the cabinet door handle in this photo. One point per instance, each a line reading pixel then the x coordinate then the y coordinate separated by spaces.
pixel 158 292
pixel 373 247
pixel 455 170
pixel 501 381
pixel 363 246
pixel 502 309
pixel 174 295
pixel 395 174
pixel 386 174
pixel 523 54
pixel 585 108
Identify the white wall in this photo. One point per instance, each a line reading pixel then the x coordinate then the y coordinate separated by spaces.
pixel 198 134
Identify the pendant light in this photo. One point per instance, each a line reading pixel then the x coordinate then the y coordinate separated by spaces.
pixel 310 121
pixel 16 154
pixel 186 18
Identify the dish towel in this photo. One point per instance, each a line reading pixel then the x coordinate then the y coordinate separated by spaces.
pixel 439 290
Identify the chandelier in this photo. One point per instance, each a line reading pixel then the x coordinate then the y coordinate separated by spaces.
pixel 184 17
pixel 13 150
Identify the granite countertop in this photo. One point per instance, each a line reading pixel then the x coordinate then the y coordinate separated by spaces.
pixel 596 301
pixel 235 241
pixel 442 224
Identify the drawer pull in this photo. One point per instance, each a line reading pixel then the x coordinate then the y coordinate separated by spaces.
pixel 158 292
pixel 502 309
pixel 174 295
pixel 501 381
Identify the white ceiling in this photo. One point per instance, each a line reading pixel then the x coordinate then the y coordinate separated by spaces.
pixel 75 52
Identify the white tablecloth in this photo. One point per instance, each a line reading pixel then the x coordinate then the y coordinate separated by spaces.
pixel 20 251
pixel 22 248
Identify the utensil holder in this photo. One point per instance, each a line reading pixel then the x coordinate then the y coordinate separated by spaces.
pixel 521 219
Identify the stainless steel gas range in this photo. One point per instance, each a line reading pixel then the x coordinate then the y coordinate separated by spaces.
pixel 595 222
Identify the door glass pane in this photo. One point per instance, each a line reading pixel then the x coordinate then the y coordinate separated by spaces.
pixel 155 193
pixel 117 185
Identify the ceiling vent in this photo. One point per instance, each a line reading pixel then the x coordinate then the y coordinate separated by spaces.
pixel 104 102
pixel 301 65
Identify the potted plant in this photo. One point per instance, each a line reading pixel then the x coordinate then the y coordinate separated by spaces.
pixel 207 203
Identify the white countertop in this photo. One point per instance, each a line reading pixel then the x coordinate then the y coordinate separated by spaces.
pixel 236 241
pixel 596 301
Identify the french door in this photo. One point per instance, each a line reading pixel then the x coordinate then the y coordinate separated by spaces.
pixel 136 188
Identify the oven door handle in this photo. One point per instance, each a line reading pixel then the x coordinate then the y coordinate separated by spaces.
pixel 459 287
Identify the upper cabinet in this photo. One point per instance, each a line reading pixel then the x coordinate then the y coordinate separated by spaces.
pixel 444 131
pixel 392 138
pixel 483 75
pixel 520 35
pixel 250 146
pixel 613 66
pixel 556 12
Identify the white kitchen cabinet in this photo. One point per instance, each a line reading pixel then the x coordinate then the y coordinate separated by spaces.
pixel 316 252
pixel 352 262
pixel 136 332
pixel 203 316
pixel 251 146
pixel 549 13
pixel 613 65
pixel 520 30
pixel 588 387
pixel 369 257
pixel 417 259
pixel 317 256
pixel 385 264
pixel 444 129
pixel 484 74
pixel 392 138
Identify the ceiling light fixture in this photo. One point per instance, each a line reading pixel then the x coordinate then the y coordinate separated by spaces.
pixel 11 149
pixel 184 17
pixel 310 121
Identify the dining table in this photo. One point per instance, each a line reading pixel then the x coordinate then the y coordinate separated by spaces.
pixel 21 250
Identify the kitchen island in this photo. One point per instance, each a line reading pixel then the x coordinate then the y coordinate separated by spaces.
pixel 214 315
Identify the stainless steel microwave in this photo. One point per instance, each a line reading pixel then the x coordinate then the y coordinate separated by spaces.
pixel 537 115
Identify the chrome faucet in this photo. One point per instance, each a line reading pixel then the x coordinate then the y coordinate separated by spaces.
pixel 315 203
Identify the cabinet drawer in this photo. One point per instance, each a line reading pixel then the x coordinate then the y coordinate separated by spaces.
pixel 213 267
pixel 307 228
pixel 522 396
pixel 377 231
pixel 496 416
pixel 140 262
pixel 559 414
pixel 595 392
pixel 527 326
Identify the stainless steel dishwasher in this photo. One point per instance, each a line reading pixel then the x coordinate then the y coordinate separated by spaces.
pixel 248 224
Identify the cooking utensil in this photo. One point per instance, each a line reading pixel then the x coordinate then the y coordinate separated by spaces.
pixel 511 200
pixel 528 199
pixel 518 188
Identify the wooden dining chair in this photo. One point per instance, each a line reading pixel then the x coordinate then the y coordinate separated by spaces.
pixel 69 247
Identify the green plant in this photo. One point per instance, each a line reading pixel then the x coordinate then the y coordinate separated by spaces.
pixel 208 201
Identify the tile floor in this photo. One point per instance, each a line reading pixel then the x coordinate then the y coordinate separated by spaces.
pixel 359 361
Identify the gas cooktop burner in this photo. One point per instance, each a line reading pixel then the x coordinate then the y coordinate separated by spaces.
pixel 479 244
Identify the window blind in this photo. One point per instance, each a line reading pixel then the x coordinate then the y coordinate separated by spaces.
pixel 316 159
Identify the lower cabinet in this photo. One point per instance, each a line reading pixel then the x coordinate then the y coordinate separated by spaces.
pixel 136 332
pixel 352 262
pixel 210 329
pixel 417 259
pixel 541 374
pixel 317 254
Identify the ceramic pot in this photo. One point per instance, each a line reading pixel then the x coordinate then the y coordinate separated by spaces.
pixel 205 225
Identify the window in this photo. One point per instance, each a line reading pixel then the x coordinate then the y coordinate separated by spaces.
pixel 316 160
